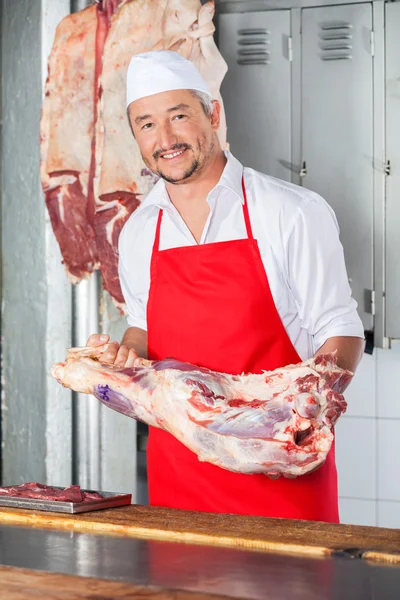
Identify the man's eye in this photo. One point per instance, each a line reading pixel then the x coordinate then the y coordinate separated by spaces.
pixel 147 126
pixel 179 117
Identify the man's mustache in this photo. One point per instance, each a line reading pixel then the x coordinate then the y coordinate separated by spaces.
pixel 173 148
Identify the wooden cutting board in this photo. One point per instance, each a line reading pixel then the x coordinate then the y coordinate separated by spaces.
pixel 256 533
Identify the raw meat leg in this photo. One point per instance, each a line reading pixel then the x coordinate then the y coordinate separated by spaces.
pixel 279 422
pixel 66 132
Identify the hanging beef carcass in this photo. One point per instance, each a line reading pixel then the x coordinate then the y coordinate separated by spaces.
pixel 277 423
pixel 122 179
pixel 67 128
pixel 67 131
pixel 92 173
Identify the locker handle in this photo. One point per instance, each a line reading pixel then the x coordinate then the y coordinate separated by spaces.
pixel 388 168
pixel 303 170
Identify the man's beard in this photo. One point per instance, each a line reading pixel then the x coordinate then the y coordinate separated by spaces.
pixel 188 173
pixel 196 165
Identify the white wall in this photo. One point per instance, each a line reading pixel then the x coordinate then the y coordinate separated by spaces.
pixel 368 443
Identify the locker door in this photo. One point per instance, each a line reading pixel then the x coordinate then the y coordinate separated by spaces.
pixel 256 89
pixel 337 134
pixel 393 179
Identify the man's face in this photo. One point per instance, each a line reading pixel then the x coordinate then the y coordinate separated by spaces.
pixel 176 139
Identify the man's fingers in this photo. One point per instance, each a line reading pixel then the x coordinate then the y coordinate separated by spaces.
pixel 132 356
pixel 110 354
pixel 97 339
pixel 122 356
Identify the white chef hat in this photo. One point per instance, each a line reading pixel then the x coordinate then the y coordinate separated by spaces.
pixel 161 71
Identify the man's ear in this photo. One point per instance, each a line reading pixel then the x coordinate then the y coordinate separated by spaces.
pixel 216 115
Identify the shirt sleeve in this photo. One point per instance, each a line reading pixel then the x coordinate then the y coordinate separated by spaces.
pixel 136 303
pixel 317 275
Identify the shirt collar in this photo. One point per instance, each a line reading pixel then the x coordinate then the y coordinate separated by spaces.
pixel 231 179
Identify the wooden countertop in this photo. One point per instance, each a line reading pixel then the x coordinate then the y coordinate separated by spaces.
pixel 253 533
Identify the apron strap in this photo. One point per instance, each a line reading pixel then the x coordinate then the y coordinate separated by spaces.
pixel 246 212
pixel 156 244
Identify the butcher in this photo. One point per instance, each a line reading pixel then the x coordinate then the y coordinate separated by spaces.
pixel 227 268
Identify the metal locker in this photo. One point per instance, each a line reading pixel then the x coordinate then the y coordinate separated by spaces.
pixel 256 89
pixel 337 131
pixel 392 250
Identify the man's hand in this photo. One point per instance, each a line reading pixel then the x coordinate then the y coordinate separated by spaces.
pixel 116 354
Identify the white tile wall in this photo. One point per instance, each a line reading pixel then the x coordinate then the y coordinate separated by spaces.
pixel 368 443
pixel 389 459
pixel 388 368
pixel 357 512
pixel 356 457
pixel 388 514
pixel 360 395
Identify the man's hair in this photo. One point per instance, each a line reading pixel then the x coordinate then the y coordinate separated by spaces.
pixel 205 101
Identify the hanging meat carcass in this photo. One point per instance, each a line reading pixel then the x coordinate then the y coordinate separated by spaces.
pixel 66 133
pixel 278 423
pixel 92 172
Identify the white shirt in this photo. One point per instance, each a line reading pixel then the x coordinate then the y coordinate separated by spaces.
pixel 298 236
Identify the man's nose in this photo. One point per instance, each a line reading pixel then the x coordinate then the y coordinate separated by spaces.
pixel 167 137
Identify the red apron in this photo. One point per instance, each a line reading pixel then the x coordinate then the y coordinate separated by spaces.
pixel 211 305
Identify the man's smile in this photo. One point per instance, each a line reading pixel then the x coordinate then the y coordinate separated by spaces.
pixel 173 155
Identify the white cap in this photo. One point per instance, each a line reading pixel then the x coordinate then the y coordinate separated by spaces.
pixel 161 71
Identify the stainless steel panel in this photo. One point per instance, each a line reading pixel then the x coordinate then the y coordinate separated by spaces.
pixel 86 408
pixel 256 89
pixel 380 340
pixel 393 164
pixel 203 569
pixel 337 131
pixel 36 295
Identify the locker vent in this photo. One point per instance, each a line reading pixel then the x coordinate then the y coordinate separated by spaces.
pixel 253 46
pixel 336 40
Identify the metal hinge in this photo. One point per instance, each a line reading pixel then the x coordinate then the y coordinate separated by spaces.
pixel 290 49
pixel 388 168
pixel 373 306
pixel 372 43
